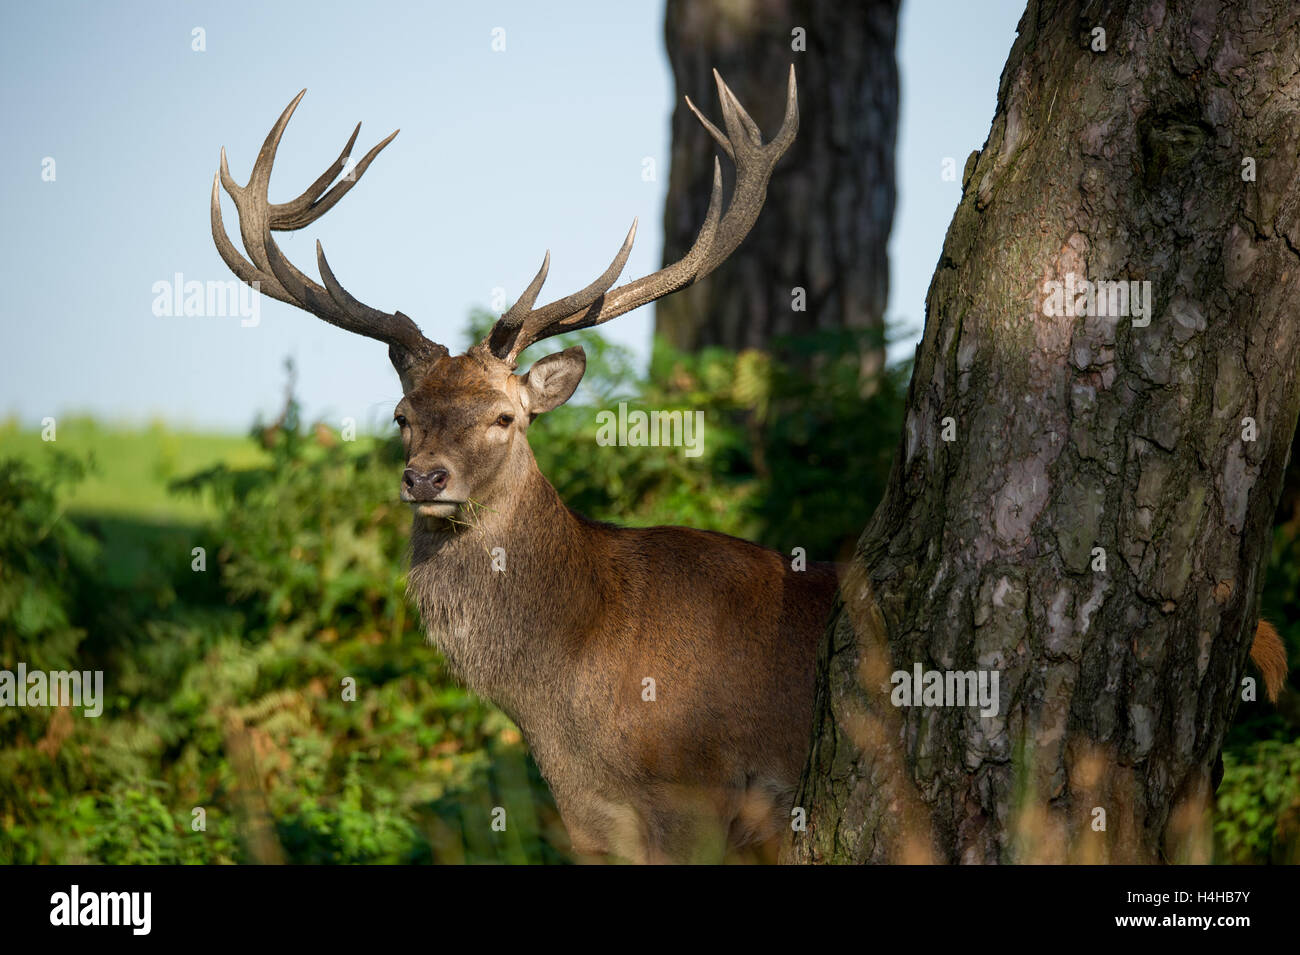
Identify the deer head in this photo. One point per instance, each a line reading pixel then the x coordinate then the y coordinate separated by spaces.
pixel 464 418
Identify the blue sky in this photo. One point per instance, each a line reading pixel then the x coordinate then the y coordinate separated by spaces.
pixel 501 156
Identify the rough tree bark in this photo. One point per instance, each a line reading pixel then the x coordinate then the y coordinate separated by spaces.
pixel 1076 433
pixel 826 222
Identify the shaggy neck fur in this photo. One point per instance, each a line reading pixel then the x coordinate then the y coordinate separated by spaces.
pixel 494 625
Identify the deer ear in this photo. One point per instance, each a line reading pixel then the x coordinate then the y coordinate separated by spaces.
pixel 553 379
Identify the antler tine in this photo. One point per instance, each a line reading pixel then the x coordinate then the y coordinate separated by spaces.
pixel 754 164
pixel 564 307
pixel 718 237
pixel 340 297
pixel 301 212
pixel 289 213
pixel 273 274
pixel 244 270
pixel 517 312
pixel 524 321
pixel 734 115
pixel 718 135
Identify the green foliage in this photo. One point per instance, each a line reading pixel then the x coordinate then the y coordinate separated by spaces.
pixel 43 560
pixel 137 827
pixel 225 688
pixel 337 507
pixel 791 457
pixel 1258 804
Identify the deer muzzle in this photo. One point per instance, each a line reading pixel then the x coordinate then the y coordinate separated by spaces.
pixel 423 486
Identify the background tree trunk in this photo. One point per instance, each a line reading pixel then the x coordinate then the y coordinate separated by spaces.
pixel 828 214
pixel 1075 433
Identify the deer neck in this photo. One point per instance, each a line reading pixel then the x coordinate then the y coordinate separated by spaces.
pixel 503 591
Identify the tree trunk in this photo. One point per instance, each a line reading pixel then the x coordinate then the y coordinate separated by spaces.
pixel 1094 531
pixel 829 210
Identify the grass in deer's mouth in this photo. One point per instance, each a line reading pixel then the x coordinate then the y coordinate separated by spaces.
pixel 475 510
pixel 436 508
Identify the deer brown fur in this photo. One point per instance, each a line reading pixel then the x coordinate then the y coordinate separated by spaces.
pixel 561 622
pixel 663 677
pixel 565 636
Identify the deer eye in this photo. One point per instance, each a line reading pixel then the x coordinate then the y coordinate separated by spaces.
pixel 401 420
pixel 505 420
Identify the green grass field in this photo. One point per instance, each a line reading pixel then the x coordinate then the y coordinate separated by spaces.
pixel 133 466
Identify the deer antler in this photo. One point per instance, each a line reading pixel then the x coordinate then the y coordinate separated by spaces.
pixel 271 273
pixel 523 325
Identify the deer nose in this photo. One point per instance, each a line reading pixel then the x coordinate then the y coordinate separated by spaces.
pixel 424 485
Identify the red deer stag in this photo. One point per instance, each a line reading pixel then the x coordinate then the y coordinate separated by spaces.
pixel 566 639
